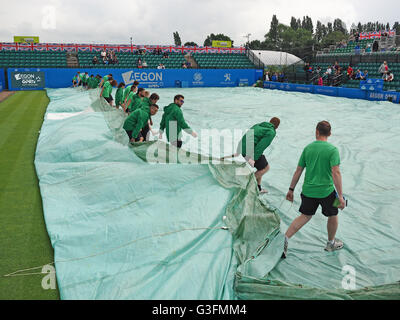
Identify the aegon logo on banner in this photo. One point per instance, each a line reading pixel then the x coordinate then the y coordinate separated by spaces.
pixel 143 77
pixel 27 79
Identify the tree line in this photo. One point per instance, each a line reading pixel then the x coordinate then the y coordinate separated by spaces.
pixel 301 37
pixel 207 42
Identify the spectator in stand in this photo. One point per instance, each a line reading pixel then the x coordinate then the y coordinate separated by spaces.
pixel 274 77
pixel 350 72
pixel 357 49
pixel 328 74
pixel 357 37
pixel 139 63
pixel 103 54
pixel 144 64
pixel 320 81
pixel 368 48
pixel 183 65
pixel 95 60
pixel 305 68
pixel 337 68
pixel 375 46
pixel 359 74
pixel 159 66
pixel 389 77
pixel 365 77
pixel 383 69
pixel 281 77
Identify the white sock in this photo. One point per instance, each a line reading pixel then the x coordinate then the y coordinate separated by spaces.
pixel 332 241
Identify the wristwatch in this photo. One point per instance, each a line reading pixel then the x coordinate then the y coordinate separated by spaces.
pixel 291 189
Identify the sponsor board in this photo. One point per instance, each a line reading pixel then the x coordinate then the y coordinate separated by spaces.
pixel 27 79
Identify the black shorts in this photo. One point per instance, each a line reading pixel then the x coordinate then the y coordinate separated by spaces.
pixel 109 99
pixel 136 139
pixel 177 143
pixel 309 206
pixel 261 163
pixel 129 134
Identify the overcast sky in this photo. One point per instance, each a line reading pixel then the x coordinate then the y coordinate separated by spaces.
pixel 154 21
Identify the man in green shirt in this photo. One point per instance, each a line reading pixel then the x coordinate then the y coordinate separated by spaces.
pixel 259 136
pixel 146 102
pixel 85 80
pixel 119 94
pixel 105 78
pixel 321 160
pixel 81 79
pixel 75 80
pixel 107 89
pixel 174 122
pixel 138 120
pixel 128 90
pixel 134 99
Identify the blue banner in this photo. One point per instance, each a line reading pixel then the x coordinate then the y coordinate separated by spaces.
pixel 327 91
pixel 2 80
pixel 153 78
pixel 339 91
pixel 384 96
pixel 371 85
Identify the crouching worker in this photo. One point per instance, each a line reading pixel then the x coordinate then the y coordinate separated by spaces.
pixel 107 89
pixel 174 122
pixel 253 144
pixel 137 121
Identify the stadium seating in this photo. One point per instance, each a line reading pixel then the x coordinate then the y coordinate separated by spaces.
pixel 223 60
pixel 298 74
pixel 129 60
pixel 33 59
pixel 58 59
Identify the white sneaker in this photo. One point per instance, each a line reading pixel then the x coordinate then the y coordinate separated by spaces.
pixel 337 245
pixel 263 191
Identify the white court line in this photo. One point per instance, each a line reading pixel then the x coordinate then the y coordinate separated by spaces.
pixel 65 115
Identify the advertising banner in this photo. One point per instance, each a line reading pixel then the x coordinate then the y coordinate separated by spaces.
pixel 148 78
pixel 371 85
pixel 26 39
pixel 221 44
pixel 27 80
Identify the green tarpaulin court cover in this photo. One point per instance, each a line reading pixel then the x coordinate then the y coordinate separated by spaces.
pixel 129 222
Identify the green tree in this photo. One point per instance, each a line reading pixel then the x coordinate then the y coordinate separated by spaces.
pixel 339 25
pixel 255 45
pixel 191 44
pixel 177 39
pixel 318 32
pixel 272 35
pixel 293 23
pixel 333 38
pixel 396 26
pixel 217 37
pixel 359 27
pixel 330 28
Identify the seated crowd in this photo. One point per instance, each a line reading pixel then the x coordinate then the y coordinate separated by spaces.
pixel 107 57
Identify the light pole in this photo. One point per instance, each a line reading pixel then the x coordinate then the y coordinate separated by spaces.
pixel 248 38
pixel 131 41
pixel 259 60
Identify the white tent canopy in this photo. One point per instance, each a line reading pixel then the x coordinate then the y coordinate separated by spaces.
pixel 275 57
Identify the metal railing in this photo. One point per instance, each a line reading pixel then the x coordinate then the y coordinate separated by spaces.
pixel 254 59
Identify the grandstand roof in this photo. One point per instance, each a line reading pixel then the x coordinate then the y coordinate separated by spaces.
pixel 276 57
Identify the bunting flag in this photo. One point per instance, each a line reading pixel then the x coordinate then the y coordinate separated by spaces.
pixel 376 34
pixel 73 47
